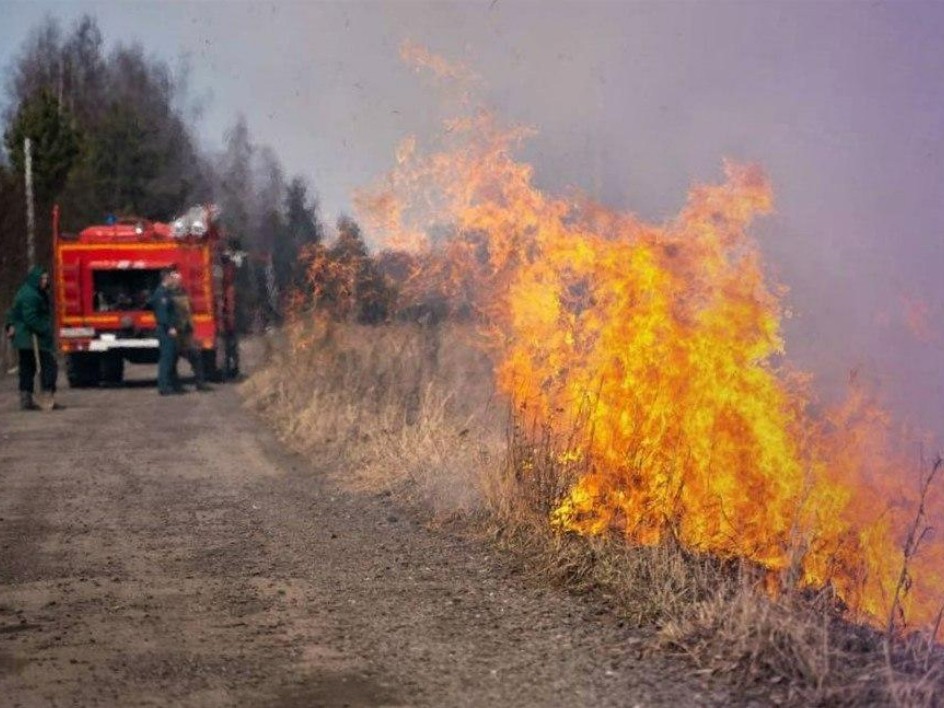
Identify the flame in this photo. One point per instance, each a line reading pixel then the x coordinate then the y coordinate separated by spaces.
pixel 651 356
pixel 420 58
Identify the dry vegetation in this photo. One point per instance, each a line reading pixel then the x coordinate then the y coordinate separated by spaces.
pixel 406 407
pixel 410 409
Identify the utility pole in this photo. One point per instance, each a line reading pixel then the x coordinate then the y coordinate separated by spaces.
pixel 30 214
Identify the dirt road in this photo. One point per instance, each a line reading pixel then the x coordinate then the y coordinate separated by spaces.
pixel 167 551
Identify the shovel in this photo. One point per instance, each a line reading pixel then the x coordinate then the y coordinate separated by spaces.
pixel 9 359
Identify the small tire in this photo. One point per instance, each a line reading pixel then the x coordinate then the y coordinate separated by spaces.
pixel 211 370
pixel 230 367
pixel 112 369
pixel 83 370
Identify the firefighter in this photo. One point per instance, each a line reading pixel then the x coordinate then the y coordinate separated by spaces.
pixel 29 326
pixel 165 314
pixel 184 325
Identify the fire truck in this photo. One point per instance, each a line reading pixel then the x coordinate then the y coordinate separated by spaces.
pixel 104 277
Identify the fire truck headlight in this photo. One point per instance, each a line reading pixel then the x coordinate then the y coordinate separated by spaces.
pixel 198 227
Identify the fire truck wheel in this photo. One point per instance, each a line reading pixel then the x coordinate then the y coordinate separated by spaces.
pixel 211 368
pixel 113 369
pixel 83 370
pixel 230 359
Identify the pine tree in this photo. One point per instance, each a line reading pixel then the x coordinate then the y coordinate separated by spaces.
pixel 55 144
pixel 302 230
pixel 372 295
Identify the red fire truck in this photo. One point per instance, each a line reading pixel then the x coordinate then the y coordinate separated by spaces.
pixel 104 277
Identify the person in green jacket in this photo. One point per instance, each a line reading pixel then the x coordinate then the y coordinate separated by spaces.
pixel 29 325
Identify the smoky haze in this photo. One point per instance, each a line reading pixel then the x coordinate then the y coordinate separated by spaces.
pixel 633 103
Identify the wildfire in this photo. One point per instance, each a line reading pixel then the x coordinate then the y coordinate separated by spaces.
pixel 651 357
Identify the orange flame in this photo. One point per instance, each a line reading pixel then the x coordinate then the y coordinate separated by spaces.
pixel 653 355
pixel 419 57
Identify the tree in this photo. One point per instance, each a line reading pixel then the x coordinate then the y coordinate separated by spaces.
pixel 38 67
pixel 72 69
pixel 157 150
pixel 83 72
pixel 123 161
pixel 268 221
pixel 302 230
pixel 55 144
pixel 269 231
pixel 301 214
pixel 235 188
pixel 350 246
pixel 371 294
pixel 13 263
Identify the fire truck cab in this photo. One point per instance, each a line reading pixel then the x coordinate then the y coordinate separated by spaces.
pixel 104 277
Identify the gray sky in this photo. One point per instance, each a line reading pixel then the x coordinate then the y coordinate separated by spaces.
pixel 842 103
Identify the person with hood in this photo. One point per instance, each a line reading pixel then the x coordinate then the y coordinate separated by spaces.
pixel 29 325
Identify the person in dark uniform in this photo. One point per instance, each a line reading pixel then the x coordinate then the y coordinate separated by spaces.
pixel 186 346
pixel 166 316
pixel 29 326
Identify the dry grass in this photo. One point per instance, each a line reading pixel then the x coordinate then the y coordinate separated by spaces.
pixel 411 409
pixel 795 649
pixel 406 407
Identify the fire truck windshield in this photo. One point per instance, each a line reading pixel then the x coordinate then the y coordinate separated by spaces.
pixel 117 290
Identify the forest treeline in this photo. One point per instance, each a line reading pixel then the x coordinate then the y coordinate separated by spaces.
pixel 113 133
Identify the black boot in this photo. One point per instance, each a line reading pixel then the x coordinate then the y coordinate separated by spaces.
pixel 26 402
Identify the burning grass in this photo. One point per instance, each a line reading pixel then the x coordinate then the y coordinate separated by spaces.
pixel 778 640
pixel 410 409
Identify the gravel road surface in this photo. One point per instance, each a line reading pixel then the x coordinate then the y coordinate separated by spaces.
pixel 168 551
